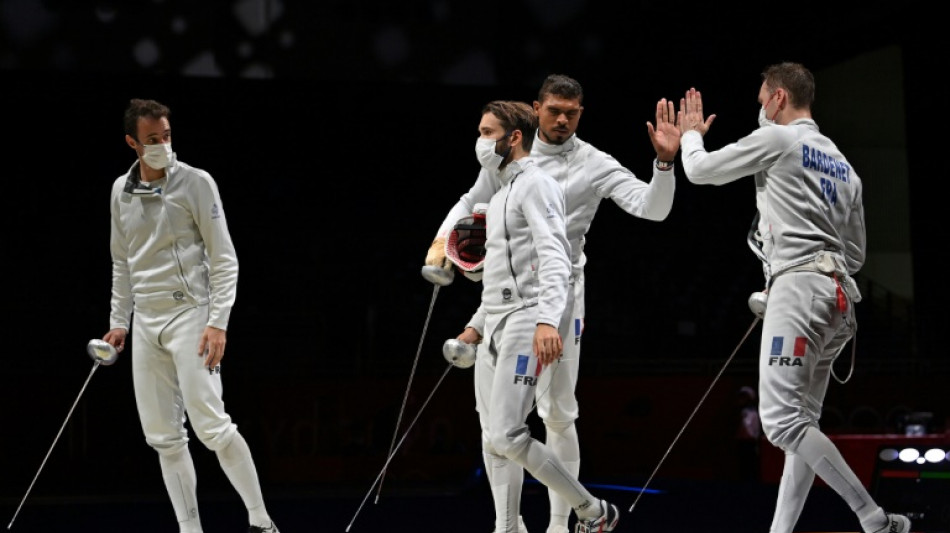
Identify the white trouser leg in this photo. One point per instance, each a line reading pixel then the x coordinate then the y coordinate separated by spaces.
pixel 825 459
pixel 537 459
pixel 171 381
pixel 178 472
pixel 512 393
pixel 557 403
pixel 506 478
pixel 802 333
pixel 564 445
pixel 238 465
pixel 797 480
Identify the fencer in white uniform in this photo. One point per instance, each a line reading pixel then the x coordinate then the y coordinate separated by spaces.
pixel 586 176
pixel 174 280
pixel 810 236
pixel 519 323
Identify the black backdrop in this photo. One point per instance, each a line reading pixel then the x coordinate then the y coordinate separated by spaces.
pixel 336 172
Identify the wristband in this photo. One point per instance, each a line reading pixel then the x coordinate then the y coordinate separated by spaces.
pixel 664 165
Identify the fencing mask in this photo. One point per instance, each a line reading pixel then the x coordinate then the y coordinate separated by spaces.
pixel 465 245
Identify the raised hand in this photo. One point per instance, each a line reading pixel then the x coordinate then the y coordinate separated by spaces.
pixel 690 115
pixel 666 135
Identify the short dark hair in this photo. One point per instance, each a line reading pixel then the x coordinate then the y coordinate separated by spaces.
pixel 515 116
pixel 562 86
pixel 794 78
pixel 139 108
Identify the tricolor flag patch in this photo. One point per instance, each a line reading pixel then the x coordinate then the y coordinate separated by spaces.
pixel 528 365
pixel 527 369
pixel 799 347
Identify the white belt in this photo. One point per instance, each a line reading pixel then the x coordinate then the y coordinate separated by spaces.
pixel 830 265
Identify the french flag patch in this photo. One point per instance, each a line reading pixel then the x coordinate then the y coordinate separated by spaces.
pixel 528 365
pixel 800 346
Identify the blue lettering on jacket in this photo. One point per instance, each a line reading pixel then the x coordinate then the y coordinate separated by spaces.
pixel 829 190
pixel 824 163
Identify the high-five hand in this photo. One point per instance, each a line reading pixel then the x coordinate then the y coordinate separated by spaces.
pixel 691 113
pixel 666 135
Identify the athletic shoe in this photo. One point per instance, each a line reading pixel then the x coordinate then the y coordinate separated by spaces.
pixel 558 529
pixel 896 523
pixel 605 522
pixel 521 526
pixel 261 529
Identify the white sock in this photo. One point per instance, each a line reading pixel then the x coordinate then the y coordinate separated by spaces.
pixel 178 472
pixel 564 444
pixel 797 480
pixel 487 459
pixel 537 459
pixel 238 465
pixel 825 459
pixel 506 479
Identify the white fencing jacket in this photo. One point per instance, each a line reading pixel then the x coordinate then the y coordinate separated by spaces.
pixel 808 196
pixel 526 250
pixel 170 242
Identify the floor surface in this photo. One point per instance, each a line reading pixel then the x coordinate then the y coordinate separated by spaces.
pixel 676 507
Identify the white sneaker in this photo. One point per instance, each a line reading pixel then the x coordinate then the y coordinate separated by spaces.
pixel 558 529
pixel 605 522
pixel 896 523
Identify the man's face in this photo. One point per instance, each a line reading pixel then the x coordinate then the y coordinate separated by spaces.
pixel 151 131
pixel 557 118
pixel 490 127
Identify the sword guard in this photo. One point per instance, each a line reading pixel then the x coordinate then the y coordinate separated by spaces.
pixel 460 354
pixel 101 352
pixel 438 275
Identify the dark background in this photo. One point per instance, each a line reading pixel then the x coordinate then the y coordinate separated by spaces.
pixel 340 133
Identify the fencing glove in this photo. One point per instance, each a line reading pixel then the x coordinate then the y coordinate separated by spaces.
pixel 436 254
pixel 437 269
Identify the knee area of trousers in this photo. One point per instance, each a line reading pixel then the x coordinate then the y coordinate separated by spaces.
pixel 557 411
pixel 169 448
pixel 507 444
pixel 785 437
pixel 218 440
pixel 558 426
pixel 488 448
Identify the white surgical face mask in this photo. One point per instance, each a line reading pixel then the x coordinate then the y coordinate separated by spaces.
pixel 485 152
pixel 763 120
pixel 157 156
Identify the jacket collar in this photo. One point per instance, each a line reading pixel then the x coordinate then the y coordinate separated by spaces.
pixel 135 186
pixel 544 148
pixel 514 168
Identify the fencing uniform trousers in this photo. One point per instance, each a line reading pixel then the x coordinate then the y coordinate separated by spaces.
pixel 505 477
pixel 803 331
pixel 171 385
pixel 238 465
pixel 506 375
pixel 557 402
pixel 178 473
